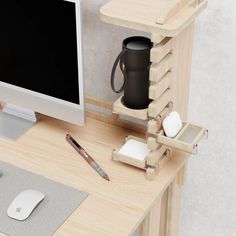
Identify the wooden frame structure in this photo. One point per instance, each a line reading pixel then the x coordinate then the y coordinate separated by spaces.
pixel 170 24
pixel 129 200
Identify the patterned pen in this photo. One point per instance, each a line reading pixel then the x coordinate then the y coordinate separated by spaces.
pixel 87 157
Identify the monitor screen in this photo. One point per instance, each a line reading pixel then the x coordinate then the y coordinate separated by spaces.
pixel 38 47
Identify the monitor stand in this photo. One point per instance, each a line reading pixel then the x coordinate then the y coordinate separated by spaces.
pixel 15 121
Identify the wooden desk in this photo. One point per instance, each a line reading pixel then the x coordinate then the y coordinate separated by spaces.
pixel 115 208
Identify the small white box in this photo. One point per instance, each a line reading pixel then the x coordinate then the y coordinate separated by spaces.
pixel 134 149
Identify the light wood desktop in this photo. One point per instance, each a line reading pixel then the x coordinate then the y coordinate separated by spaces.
pixel 112 208
pixel 129 200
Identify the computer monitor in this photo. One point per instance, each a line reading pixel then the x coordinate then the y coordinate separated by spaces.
pixel 41 63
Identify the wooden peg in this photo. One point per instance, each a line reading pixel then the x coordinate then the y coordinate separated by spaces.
pixel 150 173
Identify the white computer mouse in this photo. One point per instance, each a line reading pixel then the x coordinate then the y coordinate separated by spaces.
pixel 172 124
pixel 24 204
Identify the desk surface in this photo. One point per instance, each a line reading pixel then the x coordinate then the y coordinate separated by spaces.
pixel 112 208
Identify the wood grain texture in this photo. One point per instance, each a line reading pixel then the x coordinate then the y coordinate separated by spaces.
pixel 152 143
pixel 173 209
pixel 119 108
pixel 169 9
pixel 110 119
pixel 130 160
pixel 182 64
pixel 112 208
pixel 177 142
pixel 143 15
pixel 157 89
pixel 153 126
pixel 113 120
pixel 151 224
pixel 156 38
pixel 181 178
pixel 116 156
pixel 155 107
pixel 155 156
pixel 163 219
pixel 99 103
pixel 158 70
pixel 159 51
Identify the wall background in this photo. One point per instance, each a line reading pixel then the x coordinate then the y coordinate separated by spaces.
pixel 209 197
pixel 102 44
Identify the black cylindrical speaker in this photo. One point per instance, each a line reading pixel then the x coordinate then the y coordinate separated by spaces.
pixel 134 61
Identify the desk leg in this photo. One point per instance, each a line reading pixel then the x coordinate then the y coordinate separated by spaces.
pixel 151 224
pixel 173 204
pixel 163 219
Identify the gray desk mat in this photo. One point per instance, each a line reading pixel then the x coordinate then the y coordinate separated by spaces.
pixel 59 204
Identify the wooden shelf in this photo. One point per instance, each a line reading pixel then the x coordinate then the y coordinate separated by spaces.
pixel 164 17
pixel 187 139
pixel 120 109
pixel 151 163
pixel 170 23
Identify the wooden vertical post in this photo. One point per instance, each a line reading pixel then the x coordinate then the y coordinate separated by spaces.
pixel 151 224
pixel 163 219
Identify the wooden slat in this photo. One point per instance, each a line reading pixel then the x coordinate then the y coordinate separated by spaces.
pixel 157 38
pixel 157 71
pixel 113 120
pixel 161 50
pixel 153 126
pixel 171 142
pixel 152 143
pixel 157 106
pixel 99 103
pixel 164 113
pixel 110 119
pixel 128 160
pixel 154 156
pixel 156 90
pixel 184 128
pixel 119 108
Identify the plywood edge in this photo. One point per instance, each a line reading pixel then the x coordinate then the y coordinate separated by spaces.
pixel 170 10
pixel 97 102
pixel 110 119
pixel 184 18
pixel 178 157
pixel 170 29
pixel 119 108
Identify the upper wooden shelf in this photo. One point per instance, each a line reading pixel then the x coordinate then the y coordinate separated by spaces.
pixel 164 17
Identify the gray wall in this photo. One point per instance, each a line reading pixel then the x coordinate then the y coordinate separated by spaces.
pixel 209 198
pixel 102 44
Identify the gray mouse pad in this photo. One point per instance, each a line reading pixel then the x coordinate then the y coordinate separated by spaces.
pixel 59 204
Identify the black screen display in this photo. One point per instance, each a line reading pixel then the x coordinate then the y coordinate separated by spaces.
pixel 38 47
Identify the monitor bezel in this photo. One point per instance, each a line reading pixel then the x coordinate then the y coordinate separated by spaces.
pixel 48 105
